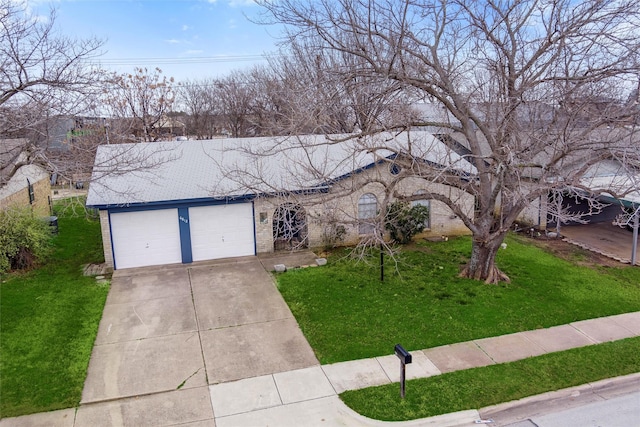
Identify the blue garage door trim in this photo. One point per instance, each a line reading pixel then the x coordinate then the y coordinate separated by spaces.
pixel 185 235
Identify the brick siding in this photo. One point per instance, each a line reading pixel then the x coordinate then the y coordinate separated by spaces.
pixel 341 202
pixel 40 205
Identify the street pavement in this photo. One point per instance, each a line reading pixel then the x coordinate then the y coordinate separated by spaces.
pixel 621 411
pixel 214 344
pixel 611 402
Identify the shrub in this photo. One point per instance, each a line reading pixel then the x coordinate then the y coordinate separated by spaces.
pixel 404 222
pixel 24 239
pixel 333 235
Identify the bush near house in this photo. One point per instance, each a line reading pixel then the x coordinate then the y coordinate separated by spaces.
pixel 24 239
pixel 404 222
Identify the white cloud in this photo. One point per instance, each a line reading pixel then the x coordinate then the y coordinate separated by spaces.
pixel 186 28
pixel 173 41
pixel 193 52
pixel 34 10
pixel 240 3
pixel 232 23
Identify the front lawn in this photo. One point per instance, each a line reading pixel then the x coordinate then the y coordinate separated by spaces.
pixel 346 313
pixel 50 318
pixel 481 387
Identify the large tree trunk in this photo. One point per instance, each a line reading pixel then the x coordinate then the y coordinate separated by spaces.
pixel 481 265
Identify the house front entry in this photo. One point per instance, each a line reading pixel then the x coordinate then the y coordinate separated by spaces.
pixel 290 227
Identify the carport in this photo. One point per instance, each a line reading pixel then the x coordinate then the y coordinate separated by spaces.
pixel 630 204
pixel 607 232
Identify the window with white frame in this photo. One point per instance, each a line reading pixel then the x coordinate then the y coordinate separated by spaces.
pixel 367 211
pixel 423 202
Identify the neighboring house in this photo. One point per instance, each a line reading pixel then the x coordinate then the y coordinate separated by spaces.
pixel 59 130
pixel 433 118
pixel 437 120
pixel 63 131
pixel 165 128
pixel 179 202
pixel 22 185
pixel 169 127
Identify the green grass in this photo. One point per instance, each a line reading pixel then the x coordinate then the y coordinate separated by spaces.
pixel 481 387
pixel 50 318
pixel 346 313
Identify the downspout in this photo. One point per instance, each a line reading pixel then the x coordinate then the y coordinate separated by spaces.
pixel 634 245
pixel 540 213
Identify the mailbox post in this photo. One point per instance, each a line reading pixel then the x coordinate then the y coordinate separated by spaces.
pixel 405 359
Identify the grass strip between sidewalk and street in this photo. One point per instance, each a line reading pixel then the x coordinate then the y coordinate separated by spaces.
pixel 50 318
pixel 481 387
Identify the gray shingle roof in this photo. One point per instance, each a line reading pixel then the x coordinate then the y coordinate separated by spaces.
pixel 171 171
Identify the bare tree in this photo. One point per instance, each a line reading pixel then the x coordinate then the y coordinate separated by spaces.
pixel 536 89
pixel 559 212
pixel 274 100
pixel 197 98
pixel 235 95
pixel 144 98
pixel 297 92
pixel 324 92
pixel 42 75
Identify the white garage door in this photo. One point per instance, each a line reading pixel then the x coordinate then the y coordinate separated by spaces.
pixel 146 238
pixel 221 231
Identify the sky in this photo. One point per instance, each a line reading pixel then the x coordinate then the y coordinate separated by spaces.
pixel 186 39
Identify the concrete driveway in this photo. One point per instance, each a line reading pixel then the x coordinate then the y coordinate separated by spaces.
pixel 178 327
pixel 603 238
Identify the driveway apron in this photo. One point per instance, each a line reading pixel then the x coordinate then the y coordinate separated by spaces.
pixel 180 327
pixel 246 328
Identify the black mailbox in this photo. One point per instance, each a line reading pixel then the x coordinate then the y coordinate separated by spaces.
pixel 403 355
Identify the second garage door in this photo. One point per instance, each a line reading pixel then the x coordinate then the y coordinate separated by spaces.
pixel 222 231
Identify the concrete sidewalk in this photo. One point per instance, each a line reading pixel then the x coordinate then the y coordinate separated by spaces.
pixel 309 396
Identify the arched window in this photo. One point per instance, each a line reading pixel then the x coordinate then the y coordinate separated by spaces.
pixel 367 211
pixel 423 202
